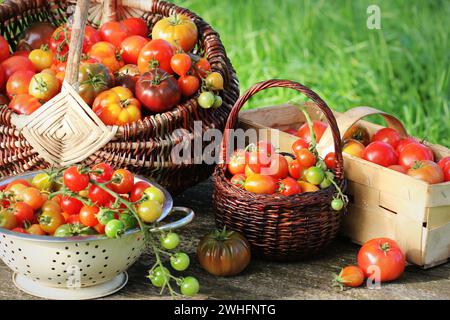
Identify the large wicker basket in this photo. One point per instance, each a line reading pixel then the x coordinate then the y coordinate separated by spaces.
pixel 145 146
pixel 279 227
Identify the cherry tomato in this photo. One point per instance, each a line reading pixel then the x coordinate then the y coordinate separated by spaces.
pixel 358 133
pixel 36 229
pixel 136 26
pixel 131 47
pixel 4 49
pixel 73 219
pixel 122 182
pixel 260 184
pixel 319 128
pixel 238 161
pixel 404 142
pixel 114 32
pixel 41 58
pixel 74 180
pixel 101 173
pixel 202 68
pixel 337 204
pixel 351 276
pixel 353 148
pixel 189 286
pixel 289 186
pixel 128 220
pixel 114 229
pixel 7 220
pixel 16 63
pixel 238 180
pixel 181 63
pixel 19 82
pixel 44 86
pixel 214 81
pixel 206 100
pixel 308 187
pixel 108 55
pixel 42 181
pixel 88 216
pixel 22 212
pixel 19 230
pixel 306 158
pixel 314 175
pixel 49 221
pixel 24 104
pixel 32 197
pixel 100 228
pixel 189 85
pixel 330 160
pixel 149 211
pixel 399 168
pixel 138 190
pixel 99 196
pixel 180 261
pixel 414 152
pixel 299 144
pixel 155 194
pixel 170 241
pixel 51 206
pixel 381 153
pixel 261 156
pixel 296 170
pixel 71 205
pixel 387 135
pixel 156 50
pixel 382 257
pixel 427 171
pixel 159 276
pixel 279 167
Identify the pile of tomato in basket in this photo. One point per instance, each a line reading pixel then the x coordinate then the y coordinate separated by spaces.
pixel 79 201
pixel 124 74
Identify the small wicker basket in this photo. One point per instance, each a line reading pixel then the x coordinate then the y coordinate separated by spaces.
pixel 72 133
pixel 279 227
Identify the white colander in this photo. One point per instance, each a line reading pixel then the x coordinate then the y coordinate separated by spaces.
pixel 77 267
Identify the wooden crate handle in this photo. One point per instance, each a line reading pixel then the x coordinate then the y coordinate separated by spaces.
pixel 76 42
pixel 349 118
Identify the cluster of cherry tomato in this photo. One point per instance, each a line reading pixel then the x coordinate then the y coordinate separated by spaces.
pixel 259 169
pixel 379 259
pixel 122 69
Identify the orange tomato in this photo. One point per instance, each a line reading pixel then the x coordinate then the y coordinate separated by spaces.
pixel 427 170
pixel 353 147
pixel 177 29
pixel 260 184
pixel 308 187
pixel 107 54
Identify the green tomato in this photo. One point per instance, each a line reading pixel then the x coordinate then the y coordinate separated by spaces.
pixel 42 181
pixel 180 261
pixel 325 183
pixel 149 211
pixel 217 102
pixel 114 228
pixel 128 220
pixel 190 286
pixel 105 216
pixel 337 204
pixel 314 175
pixel 155 194
pixel 64 230
pixel 206 100
pixel 159 276
pixel 170 241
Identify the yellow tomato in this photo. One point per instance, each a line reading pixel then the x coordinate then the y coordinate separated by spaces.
pixel 44 86
pixel 108 55
pixel 41 58
pixel 178 30
pixel 308 187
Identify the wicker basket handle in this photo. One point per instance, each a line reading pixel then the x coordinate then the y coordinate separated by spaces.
pixel 349 118
pixel 76 42
pixel 233 117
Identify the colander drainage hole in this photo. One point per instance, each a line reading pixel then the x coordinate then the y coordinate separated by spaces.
pixel 100 272
pixel 84 274
pixel 28 266
pixel 87 243
pixel 69 256
pixel 103 277
pixel 80 261
pixel 129 257
pixel 106 258
pixel 24 258
pixel 105 266
pixel 67 248
pixel 54 261
pixel 63 263
pixel 58 275
pixel 90 278
pixel 53 269
pixel 132 249
pixel 11 242
pixel 49 279
pixel 59 283
pixel 88 266
pixel 77 252
pixel 93 257
pixel 20 249
pixel 57 252
pixel 12 251
pixel 86 253
pixel 96 246
pixel 104 250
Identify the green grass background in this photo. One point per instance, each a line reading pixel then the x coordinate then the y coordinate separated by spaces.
pixel 402 68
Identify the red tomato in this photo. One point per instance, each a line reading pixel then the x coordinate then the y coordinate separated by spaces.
pixel 260 184
pixel 101 173
pixel 202 68
pixel 136 26
pixel 351 276
pixel 114 32
pixel 138 190
pixel 319 128
pixel 23 182
pixel 4 49
pixel 289 186
pixel 122 181
pixel 23 213
pixel 296 170
pixel 446 171
pixel 291 131
pixel 404 142
pixel 21 53
pixel 91 37
pixel 74 180
pixel 19 82
pixel 427 171
pixel 156 50
pixel 189 85
pixel 2 80
pixel 100 228
pixel 383 254
pixel 131 47
pixel 399 168
pixel 330 160
pixel 238 161
pixel 88 216
pixel 306 158
pixel 279 167
pixel 32 197
pixel 99 196
pixel 387 135
pixel 443 162
pixel 14 64
pixel 71 205
pixel 73 219
pixel 261 157
pixel 24 104
pixel 414 152
pixel 19 230
pixel 381 153
pixel 181 63
pixel 300 144
pixel 238 180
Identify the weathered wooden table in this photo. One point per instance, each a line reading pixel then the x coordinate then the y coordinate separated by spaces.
pixel 268 280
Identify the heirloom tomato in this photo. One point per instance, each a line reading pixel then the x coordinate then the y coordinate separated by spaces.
pixel 114 32
pixel 399 168
pixel 260 184
pixel 214 81
pixel 94 78
pixel 381 153
pixel 158 91
pixel 127 76
pixel 180 63
pixel 107 54
pixel 387 135
pixel 353 148
pixel 149 211
pixel 381 259
pixel 117 106
pixel 224 253
pixel 50 221
pixel 136 26
pixel 7 219
pixel 306 158
pixel 359 133
pixel 22 212
pixel 153 193
pixel 36 230
pixel 19 82
pixel 16 63
pixel 24 104
pixel 314 175
pixel 35 36
pixel 4 49
pixel 189 85
pixel 414 152
pixel 177 29
pixel 404 142
pixel 44 86
pixel 308 187
pixel 156 53
pixel 443 162
pixel 131 47
pixel 202 68
pixel 41 58
pixel 32 197
pixel 238 161
pixel 319 128
pixel 260 157
pixel 426 170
